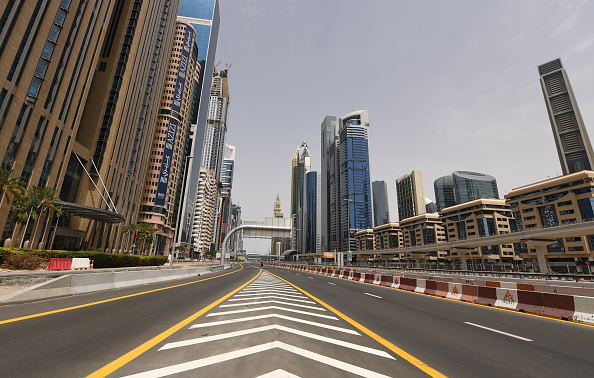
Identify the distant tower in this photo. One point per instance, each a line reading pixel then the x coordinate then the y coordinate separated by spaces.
pixel 300 165
pixel 411 195
pixel 470 186
pixel 277 207
pixel 329 138
pixel 444 192
pixel 381 211
pixel 573 145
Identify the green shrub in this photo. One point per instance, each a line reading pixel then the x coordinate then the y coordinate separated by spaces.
pixel 24 261
pixel 100 259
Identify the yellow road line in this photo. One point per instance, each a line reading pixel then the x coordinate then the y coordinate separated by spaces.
pixel 405 355
pixel 113 366
pixel 108 300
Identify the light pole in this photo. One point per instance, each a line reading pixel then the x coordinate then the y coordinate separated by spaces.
pixel 180 211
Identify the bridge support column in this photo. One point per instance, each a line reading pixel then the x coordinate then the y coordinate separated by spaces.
pixel 464 263
pixel 542 260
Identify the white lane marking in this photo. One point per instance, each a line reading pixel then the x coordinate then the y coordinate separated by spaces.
pixel 278 373
pixel 270 296
pixel 311 278
pixel 191 365
pixel 332 283
pixel 297 274
pixel 271 308
pixel 371 295
pixel 501 332
pixel 277 302
pixel 278 290
pixel 280 316
pixel 268 292
pixel 329 340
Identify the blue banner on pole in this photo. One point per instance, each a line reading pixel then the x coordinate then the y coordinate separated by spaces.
pixel 180 83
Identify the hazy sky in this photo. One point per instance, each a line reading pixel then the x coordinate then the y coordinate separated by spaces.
pixel 449 85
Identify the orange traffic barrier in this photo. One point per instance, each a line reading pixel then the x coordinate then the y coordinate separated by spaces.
pixel 487 295
pixel 59 264
pixel 530 301
pixel 558 305
pixel 469 293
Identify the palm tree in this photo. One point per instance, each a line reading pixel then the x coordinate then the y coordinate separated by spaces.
pixel 12 185
pixel 29 206
pixel 129 228
pixel 146 233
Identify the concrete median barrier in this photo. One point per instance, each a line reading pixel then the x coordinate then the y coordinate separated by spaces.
pixel 430 287
pixel 558 305
pixel 409 284
pixel 55 288
pixel 469 293
pixel 487 295
pixel 421 285
pixel 530 301
pixel 127 279
pixel 396 282
pixel 454 290
pixel 583 309
pixel 506 298
pixel 87 283
pixel 442 289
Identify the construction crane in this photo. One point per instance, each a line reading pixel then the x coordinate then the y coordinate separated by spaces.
pixel 216 65
pixel 227 67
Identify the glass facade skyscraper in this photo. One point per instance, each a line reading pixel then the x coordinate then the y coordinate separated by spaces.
pixel 311 210
pixel 329 137
pixel 469 186
pixel 355 199
pixel 444 192
pixel 381 211
pixel 204 16
pixel 301 166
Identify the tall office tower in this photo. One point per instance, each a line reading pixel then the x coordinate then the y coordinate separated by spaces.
pixel 444 192
pixel 206 195
pixel 117 127
pixel 301 165
pixel 216 124
pixel 226 184
pixel 236 240
pixel 355 199
pixel 48 55
pixel 573 145
pixel 410 195
pixel 334 208
pixel 381 209
pixel 469 186
pixel 204 16
pixel 329 137
pixel 312 234
pixel 167 162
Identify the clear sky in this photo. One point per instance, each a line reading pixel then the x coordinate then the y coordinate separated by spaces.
pixel 449 85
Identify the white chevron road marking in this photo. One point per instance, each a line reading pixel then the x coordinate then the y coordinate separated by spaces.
pixel 329 340
pixel 280 316
pixel 277 302
pixel 260 290
pixel 278 373
pixel 268 297
pixel 270 292
pixel 191 365
pixel 271 308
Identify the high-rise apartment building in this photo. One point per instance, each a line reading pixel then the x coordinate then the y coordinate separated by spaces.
pixel 355 199
pixel 204 16
pixel 329 137
pixel 95 153
pixel 410 195
pixel 167 162
pixel 571 138
pixel 206 195
pixel 381 210
pixel 224 212
pixel 300 166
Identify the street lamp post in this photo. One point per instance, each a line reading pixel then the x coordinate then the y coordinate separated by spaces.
pixel 180 211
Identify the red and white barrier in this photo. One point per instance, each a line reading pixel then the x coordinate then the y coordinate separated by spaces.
pixel 454 290
pixel 507 298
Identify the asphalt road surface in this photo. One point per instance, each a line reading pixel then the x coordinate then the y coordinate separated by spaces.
pixel 276 322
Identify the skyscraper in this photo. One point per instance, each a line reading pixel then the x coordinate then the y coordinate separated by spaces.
pixel 469 186
pixel 444 192
pixel 381 210
pixel 300 166
pixel 204 16
pixel 410 195
pixel 168 163
pixel 329 137
pixel 355 199
pixel 573 145
pixel 225 200
pixel 312 234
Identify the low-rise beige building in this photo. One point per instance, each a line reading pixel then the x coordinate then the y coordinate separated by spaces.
pixel 424 229
pixel 478 218
pixel 364 240
pixel 559 201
